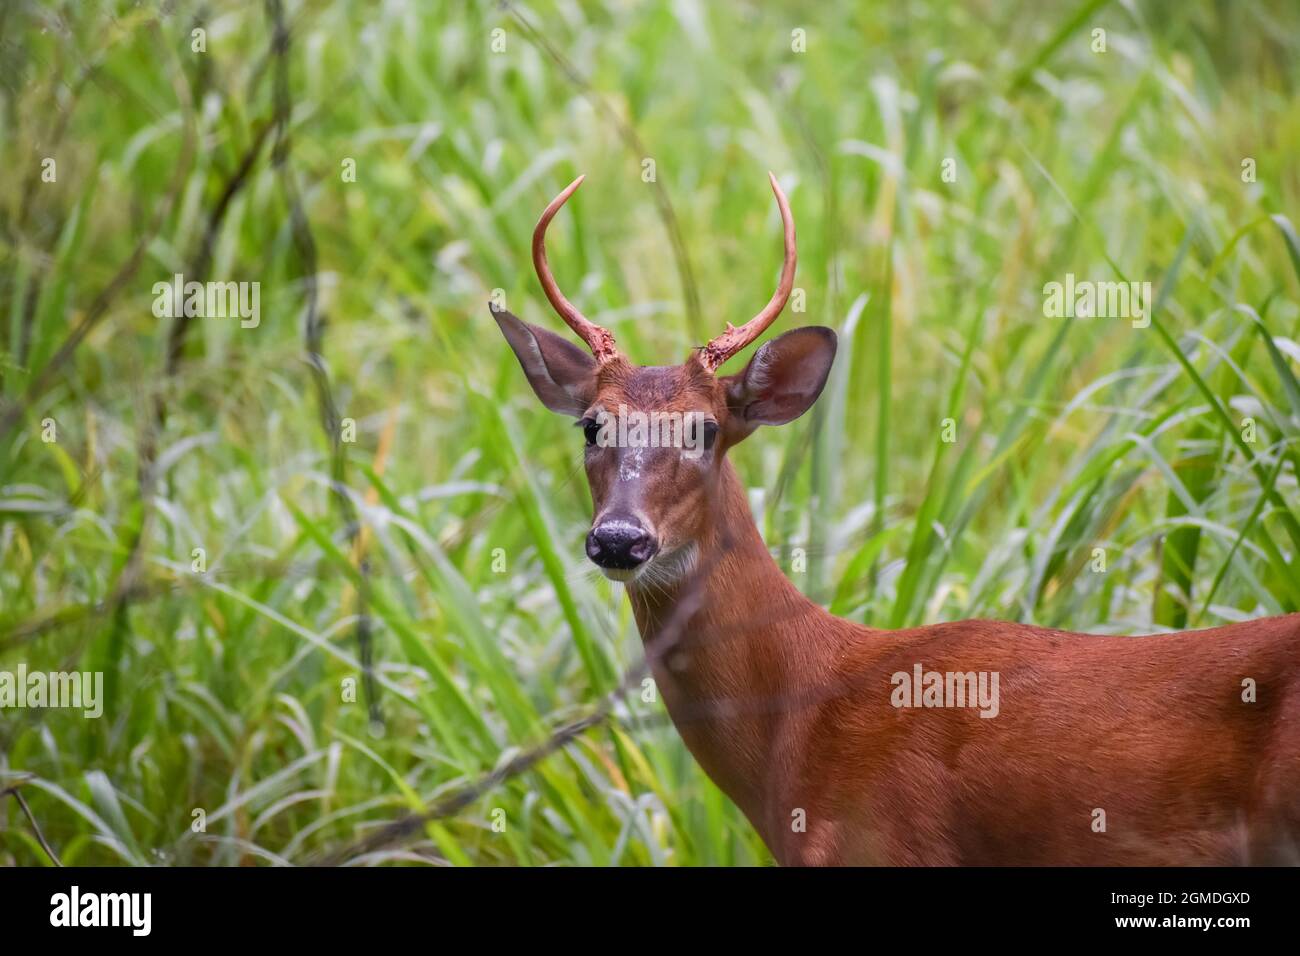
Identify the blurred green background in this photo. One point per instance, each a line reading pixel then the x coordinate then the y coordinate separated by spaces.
pixel 456 535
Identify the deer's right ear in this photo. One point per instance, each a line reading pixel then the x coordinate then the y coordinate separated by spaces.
pixel 562 375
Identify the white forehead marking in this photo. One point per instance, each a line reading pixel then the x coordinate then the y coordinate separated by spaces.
pixel 630 464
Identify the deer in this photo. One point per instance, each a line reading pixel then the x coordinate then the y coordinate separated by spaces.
pixel 845 744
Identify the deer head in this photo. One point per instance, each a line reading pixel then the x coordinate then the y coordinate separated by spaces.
pixel 656 437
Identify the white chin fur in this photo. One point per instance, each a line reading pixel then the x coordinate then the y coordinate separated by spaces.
pixel 664 568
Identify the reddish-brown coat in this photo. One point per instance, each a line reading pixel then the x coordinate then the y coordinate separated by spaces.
pixel 788 709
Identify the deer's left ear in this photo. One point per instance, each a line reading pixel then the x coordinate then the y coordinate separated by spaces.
pixel 782 380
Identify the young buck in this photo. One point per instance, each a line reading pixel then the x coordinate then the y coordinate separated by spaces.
pixel 972 742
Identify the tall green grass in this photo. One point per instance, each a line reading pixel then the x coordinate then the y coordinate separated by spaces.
pixel 229 690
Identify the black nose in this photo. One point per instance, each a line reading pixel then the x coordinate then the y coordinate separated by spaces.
pixel 620 543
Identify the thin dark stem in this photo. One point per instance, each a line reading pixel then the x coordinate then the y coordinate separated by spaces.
pixel 27 811
pixel 314 324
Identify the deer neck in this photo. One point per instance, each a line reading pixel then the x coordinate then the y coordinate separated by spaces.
pixel 733 647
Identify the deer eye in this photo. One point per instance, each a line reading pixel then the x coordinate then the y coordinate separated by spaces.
pixel 589 430
pixel 702 432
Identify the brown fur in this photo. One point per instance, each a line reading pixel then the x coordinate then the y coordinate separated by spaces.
pixel 788 709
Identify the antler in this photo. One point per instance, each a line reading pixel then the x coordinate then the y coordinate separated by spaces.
pixel 734 339
pixel 599 340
